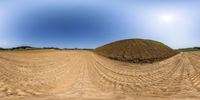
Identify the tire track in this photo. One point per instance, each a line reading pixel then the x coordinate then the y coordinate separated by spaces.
pixel 87 75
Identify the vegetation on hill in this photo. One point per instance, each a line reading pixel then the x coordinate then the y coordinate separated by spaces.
pixel 24 48
pixel 188 49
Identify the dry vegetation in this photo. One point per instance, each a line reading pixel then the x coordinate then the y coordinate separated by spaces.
pixel 55 74
pixel 136 51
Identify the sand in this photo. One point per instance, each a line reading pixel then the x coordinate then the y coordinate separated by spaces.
pixel 84 75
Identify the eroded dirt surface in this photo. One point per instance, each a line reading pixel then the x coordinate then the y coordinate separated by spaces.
pixel 77 75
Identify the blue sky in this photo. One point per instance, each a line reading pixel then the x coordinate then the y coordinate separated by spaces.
pixel 91 23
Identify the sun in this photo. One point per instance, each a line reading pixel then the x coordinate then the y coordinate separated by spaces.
pixel 167 18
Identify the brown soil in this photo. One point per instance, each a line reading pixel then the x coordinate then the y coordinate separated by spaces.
pixel 136 51
pixel 78 75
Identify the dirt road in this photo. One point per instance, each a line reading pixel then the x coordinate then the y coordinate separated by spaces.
pixel 76 75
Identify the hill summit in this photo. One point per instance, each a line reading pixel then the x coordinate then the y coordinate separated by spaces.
pixel 136 51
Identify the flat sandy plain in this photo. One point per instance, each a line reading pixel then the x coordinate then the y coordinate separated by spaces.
pixel 78 75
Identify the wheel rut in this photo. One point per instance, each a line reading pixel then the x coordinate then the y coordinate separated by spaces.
pixel 87 75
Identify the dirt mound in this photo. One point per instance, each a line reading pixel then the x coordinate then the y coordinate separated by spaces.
pixel 136 51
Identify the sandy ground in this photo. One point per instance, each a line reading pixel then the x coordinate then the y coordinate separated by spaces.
pixel 83 75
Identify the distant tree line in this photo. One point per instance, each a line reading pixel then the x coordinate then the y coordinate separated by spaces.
pixel 196 47
pixel 2 49
pixel 189 49
pixel 39 48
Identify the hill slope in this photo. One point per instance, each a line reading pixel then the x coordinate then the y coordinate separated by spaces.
pixel 136 50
